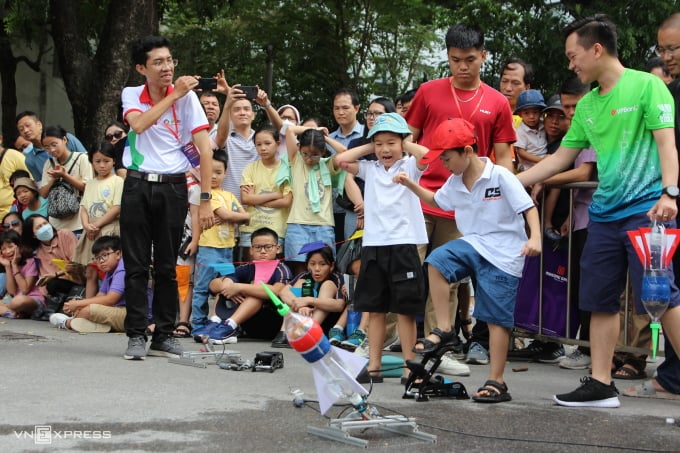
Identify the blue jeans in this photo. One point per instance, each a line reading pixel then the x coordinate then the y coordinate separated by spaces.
pixel 203 274
pixel 151 216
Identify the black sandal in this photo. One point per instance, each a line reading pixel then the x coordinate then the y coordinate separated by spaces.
pixel 182 330
pixel 496 393
pixel 430 346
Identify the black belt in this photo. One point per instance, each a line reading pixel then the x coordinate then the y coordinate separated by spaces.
pixel 157 177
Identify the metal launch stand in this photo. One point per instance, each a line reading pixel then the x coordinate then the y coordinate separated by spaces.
pixel 339 429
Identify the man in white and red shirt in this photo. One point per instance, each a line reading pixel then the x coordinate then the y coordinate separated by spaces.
pixel 168 134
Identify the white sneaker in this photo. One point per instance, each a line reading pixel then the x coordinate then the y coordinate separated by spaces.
pixel 362 350
pixel 228 340
pixel 451 366
pixel 58 320
pixel 575 361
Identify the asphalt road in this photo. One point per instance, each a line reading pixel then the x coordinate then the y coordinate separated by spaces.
pixel 75 392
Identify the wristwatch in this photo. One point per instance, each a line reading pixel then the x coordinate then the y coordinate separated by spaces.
pixel 207 196
pixel 671 191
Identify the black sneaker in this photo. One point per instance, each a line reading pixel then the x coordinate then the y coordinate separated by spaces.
pixel 280 341
pixel 591 393
pixel 551 355
pixel 535 349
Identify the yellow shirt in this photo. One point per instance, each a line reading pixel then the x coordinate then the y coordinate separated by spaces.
pixel 220 236
pixel 263 179
pixel 12 161
pixel 301 210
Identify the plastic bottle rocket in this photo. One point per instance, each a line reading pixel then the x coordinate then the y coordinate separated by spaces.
pixel 656 288
pixel 333 369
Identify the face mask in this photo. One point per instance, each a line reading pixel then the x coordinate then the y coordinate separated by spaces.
pixel 28 149
pixel 45 233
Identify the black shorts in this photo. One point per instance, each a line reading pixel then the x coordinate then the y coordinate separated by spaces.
pixel 391 280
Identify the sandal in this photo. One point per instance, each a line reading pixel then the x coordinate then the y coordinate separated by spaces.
pixel 366 377
pixel 182 330
pixel 430 346
pixel 629 373
pixel 495 393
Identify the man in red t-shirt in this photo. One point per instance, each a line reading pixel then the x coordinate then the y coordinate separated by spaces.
pixel 462 95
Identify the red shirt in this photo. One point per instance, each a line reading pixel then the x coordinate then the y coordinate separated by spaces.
pixel 434 102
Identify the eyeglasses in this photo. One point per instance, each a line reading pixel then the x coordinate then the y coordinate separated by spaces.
pixel 267 247
pixel 117 135
pixel 311 156
pixel 554 116
pixel 101 258
pixel 11 224
pixel 662 51
pixel 170 62
pixel 368 115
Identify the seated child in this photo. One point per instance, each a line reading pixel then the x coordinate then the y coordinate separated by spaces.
pixel 242 302
pixel 21 273
pixel 327 291
pixel 487 199
pixel 106 311
pixel 27 195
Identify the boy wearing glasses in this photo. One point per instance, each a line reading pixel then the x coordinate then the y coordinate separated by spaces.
pixel 106 311
pixel 242 301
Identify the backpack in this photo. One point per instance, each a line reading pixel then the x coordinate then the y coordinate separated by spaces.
pixel 63 200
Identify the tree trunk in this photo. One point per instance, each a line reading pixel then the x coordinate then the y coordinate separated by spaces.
pixel 93 83
pixel 8 68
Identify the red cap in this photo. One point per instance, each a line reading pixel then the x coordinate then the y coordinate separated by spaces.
pixel 453 133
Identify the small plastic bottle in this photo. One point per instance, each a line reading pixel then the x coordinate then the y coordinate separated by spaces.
pixel 308 288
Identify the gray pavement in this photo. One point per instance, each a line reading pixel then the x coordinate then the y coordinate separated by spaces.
pixel 81 389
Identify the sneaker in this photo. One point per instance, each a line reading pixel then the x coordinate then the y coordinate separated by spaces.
pixel 355 340
pixel 336 336
pixel 280 341
pixel 136 349
pixel 591 393
pixel 58 320
pixel 451 366
pixel 477 355
pixel 553 355
pixel 362 350
pixel 575 361
pixel 83 325
pixel 166 346
pixel 535 349
pixel 203 331
pixel 221 332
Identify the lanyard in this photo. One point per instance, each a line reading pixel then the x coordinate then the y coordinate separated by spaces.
pixel 455 98
pixel 175 133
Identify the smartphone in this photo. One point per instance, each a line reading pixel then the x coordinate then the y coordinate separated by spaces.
pixel 207 83
pixel 42 281
pixel 183 247
pixel 251 92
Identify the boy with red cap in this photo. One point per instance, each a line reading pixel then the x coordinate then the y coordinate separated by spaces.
pixel 488 200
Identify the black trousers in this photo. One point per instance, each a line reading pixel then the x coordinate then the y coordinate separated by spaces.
pixel 152 215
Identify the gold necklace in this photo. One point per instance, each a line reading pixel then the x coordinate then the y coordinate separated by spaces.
pixel 468 99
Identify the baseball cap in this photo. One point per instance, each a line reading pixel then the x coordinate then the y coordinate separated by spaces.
pixel 25 182
pixel 554 103
pixel 389 122
pixel 453 133
pixel 529 99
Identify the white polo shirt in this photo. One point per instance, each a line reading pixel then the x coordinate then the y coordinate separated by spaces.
pixel 392 213
pixel 158 149
pixel 490 216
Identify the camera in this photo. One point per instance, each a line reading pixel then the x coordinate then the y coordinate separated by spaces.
pixel 207 83
pixel 250 91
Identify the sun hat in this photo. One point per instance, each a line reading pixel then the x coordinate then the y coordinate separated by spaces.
pixel 390 122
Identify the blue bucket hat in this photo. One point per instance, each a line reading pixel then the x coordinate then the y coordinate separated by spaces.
pixel 529 99
pixel 390 122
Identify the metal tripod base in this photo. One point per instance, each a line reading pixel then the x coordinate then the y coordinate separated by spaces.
pixel 202 359
pixel 338 429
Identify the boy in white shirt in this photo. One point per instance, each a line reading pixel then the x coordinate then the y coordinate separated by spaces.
pixel 488 200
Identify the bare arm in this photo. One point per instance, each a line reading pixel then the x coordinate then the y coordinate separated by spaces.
pixel 666 208
pixel 549 166
pixel 141 121
pixel 533 246
pixel 503 155
pixel 425 195
pixel 240 216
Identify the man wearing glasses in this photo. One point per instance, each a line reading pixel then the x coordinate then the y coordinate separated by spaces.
pixel 167 127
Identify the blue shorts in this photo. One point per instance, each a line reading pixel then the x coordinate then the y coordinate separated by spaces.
pixel 607 255
pixel 495 290
pixel 299 235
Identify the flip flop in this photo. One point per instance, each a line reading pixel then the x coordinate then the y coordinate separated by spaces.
pixel 647 390
pixel 629 373
pixel 182 330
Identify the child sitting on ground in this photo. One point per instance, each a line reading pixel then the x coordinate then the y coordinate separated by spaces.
pixel 487 199
pixel 242 301
pixel 22 274
pixel 105 311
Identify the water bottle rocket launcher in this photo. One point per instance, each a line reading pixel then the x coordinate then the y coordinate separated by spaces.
pixel 334 369
pixel 641 239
